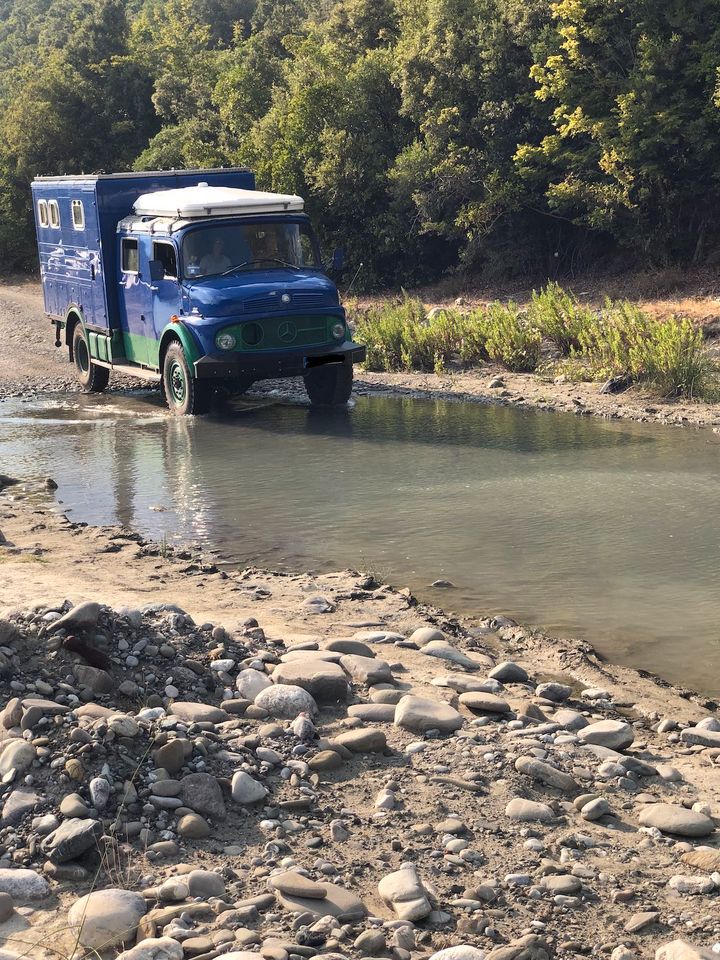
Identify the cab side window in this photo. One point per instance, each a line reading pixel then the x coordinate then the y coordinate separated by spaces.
pixel 43 218
pixel 78 214
pixel 165 253
pixel 54 212
pixel 130 259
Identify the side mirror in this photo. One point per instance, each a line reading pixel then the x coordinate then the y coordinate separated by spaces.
pixel 338 260
pixel 157 270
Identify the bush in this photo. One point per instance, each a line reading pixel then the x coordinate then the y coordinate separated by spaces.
pixel 510 338
pixel 559 317
pixel 674 360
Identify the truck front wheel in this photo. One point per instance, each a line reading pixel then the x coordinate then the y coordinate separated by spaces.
pixel 329 385
pixel 93 379
pixel 184 394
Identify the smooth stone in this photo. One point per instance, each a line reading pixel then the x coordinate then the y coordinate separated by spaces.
pixel 463 951
pixel 95 679
pixel 366 670
pixel 404 892
pixel 84 616
pixel 18 805
pixel 484 702
pixel 106 918
pixel 672 818
pixel 700 737
pixel 594 809
pixel 509 672
pixel 570 719
pixel 425 635
pixel 564 884
pixel 286 701
pixel 338 902
pixel 205 884
pixel 201 792
pixel 528 811
pixel 557 692
pixel 362 740
pixel 682 950
pixel 154 948
pixel 383 695
pixel 197 712
pixel 348 645
pixel 246 789
pixel 73 806
pixel 170 756
pixel 418 715
pixel 613 734
pixel 22 884
pixel 326 760
pixel 249 683
pixel 373 712
pixel 71 839
pixel 638 921
pixel 7 907
pixel 443 651
pixel 17 755
pixel 294 884
pixel 324 681
pixel 192 826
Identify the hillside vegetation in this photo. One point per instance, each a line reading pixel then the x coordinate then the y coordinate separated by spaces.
pixel 502 137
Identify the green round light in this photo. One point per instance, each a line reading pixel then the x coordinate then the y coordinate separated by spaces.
pixel 226 341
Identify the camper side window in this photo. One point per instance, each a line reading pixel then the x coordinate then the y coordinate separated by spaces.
pixel 43 213
pixel 165 253
pixel 130 261
pixel 54 211
pixel 78 215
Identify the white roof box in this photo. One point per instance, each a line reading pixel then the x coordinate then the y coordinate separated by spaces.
pixel 204 201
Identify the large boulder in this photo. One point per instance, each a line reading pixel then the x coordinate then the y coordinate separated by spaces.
pixel 286 701
pixel 16 755
pixel 22 884
pixel 106 918
pixel 71 839
pixel 672 818
pixel 250 682
pixel 324 681
pixel 367 670
pixel 201 792
pixel 613 734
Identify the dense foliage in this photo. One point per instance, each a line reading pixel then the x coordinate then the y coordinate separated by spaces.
pixel 509 136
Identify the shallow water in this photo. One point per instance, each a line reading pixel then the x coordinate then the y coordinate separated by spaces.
pixel 601 530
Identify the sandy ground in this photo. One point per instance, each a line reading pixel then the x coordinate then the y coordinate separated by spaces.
pixel 30 363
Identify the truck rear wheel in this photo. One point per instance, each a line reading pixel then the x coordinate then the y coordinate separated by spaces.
pixel 93 379
pixel 185 396
pixel 329 385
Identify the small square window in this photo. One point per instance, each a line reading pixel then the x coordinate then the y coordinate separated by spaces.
pixel 165 253
pixel 130 259
pixel 54 213
pixel 78 215
pixel 42 208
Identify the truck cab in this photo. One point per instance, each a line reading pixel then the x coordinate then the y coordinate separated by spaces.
pixel 202 282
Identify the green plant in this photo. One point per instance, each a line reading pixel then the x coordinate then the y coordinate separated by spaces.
pixel 510 338
pixel 673 359
pixel 559 317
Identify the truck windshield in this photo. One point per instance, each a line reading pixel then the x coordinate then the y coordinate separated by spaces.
pixel 212 251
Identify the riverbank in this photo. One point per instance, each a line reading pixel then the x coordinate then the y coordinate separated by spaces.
pixel 519 828
pixel 31 365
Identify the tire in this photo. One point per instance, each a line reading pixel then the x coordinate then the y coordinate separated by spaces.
pixel 93 379
pixel 329 385
pixel 184 395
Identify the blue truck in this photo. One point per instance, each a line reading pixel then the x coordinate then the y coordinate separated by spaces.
pixel 192 278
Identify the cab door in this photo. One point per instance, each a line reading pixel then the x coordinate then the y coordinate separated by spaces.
pixel 135 298
pixel 165 291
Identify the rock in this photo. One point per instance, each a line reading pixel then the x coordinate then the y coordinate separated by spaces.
pixel 373 712
pixel 638 921
pixel 17 755
pixel 197 712
pixel 366 670
pixel 249 683
pixel 463 951
pixel 161 948
pixel 23 884
pixel 106 918
pixel 201 792
pixel 528 811
pixel 562 883
pixel 18 804
pixel 99 792
pixel 170 756
pixel 205 884
pixel 7 907
pixel 701 737
pixel 324 681
pixel 404 892
pixel 71 839
pixel 672 818
pixel 84 616
pixel 246 789
pixel 508 672
pixel 613 734
pixel 122 725
pixel 286 702
pixel 682 950
pixel 192 826
pixel 694 886
pixel 347 645
pixel 95 679
pixel 545 773
pixel 707 860
pixel 443 651
pixel 370 943
pixel 569 719
pixel 484 702
pixel 557 692
pixel 362 740
pixel 424 635
pixel 418 715
pixel 294 884
pixel 338 902
pixel 622 953
pixel 594 809
pixel 74 807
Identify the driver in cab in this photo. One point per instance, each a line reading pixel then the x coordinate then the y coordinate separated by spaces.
pixel 215 261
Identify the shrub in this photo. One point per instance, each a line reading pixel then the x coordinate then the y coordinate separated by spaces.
pixel 559 317
pixel 674 360
pixel 510 338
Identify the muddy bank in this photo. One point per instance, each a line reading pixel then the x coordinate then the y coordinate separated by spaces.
pixel 250 763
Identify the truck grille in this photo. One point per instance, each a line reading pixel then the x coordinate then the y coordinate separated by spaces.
pixel 273 333
pixel 273 301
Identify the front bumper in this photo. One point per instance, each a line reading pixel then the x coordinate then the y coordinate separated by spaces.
pixel 266 365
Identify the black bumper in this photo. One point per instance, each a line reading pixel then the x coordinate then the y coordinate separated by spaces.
pixel 266 365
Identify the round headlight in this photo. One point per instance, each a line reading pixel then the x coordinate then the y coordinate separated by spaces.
pixel 338 331
pixel 226 341
pixel 252 334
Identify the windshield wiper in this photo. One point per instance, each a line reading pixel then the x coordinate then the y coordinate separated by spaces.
pixel 247 263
